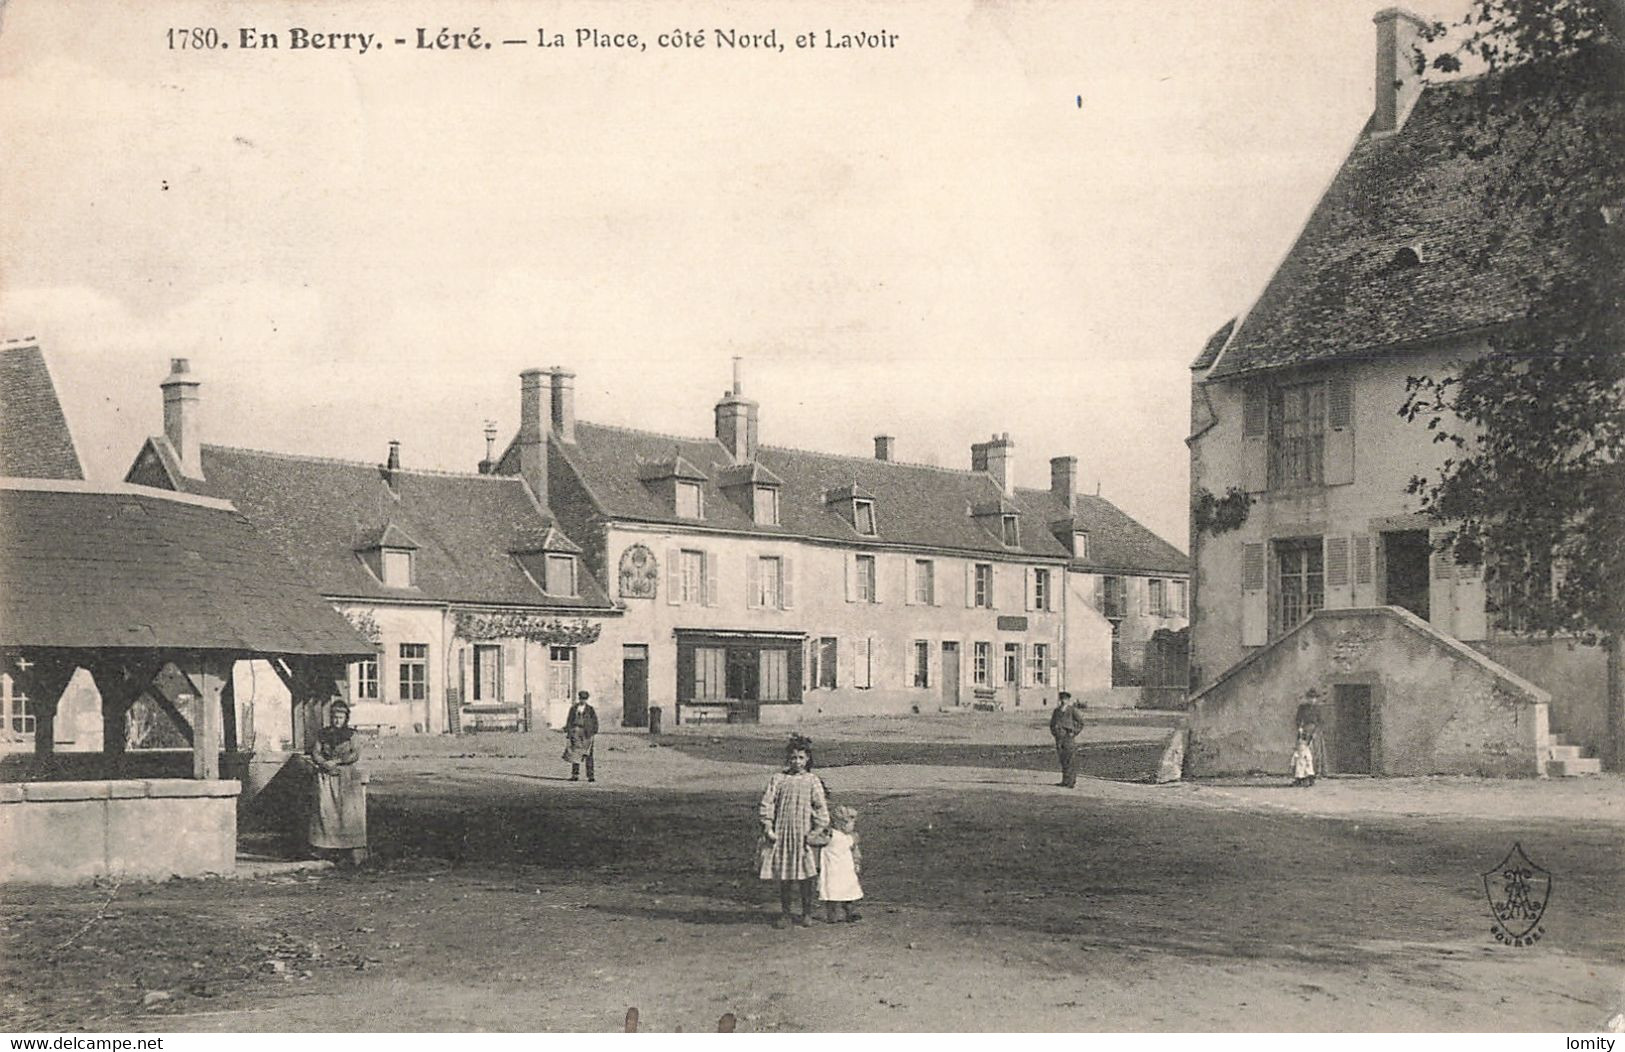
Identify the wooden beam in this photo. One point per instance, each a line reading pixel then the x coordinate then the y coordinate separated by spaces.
pixel 161 699
pixel 228 711
pixel 120 681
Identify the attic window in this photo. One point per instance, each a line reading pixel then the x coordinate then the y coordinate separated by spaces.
pixel 863 517
pixel 765 501
pixel 690 500
pixel 561 575
pixel 1080 544
pixel 397 567
pixel 1408 256
pixel 1011 531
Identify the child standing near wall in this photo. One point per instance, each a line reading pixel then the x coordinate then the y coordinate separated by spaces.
pixel 1303 761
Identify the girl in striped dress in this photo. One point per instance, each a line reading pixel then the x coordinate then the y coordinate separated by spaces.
pixel 792 808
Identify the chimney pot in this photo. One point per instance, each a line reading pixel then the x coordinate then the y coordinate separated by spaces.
pixel 1063 481
pixel 885 447
pixel 530 444
pixel 736 421
pixel 182 425
pixel 564 404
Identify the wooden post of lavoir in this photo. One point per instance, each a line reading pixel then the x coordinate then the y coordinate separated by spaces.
pixel 43 678
pixel 209 673
pixel 312 683
pixel 120 681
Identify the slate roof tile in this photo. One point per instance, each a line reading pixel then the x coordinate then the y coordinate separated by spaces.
pixel 34 437
pixel 1340 292
pixel 118 569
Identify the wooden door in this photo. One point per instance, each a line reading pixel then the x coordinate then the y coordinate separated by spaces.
pixel 634 686
pixel 561 683
pixel 950 674
pixel 1351 731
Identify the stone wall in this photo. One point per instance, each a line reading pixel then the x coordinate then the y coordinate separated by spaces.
pixel 1437 707
pixel 140 829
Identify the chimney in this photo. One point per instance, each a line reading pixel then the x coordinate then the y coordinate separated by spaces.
pixel 736 421
pixel 1063 481
pixel 564 404
pixel 489 464
pixel 531 443
pixel 392 465
pixel 885 447
pixel 1397 83
pixel 997 457
pixel 181 424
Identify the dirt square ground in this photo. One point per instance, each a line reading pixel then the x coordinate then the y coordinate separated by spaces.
pixel 503 897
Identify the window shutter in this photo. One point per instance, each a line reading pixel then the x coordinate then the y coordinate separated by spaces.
pixel 713 594
pixel 1254 597
pixel 1027 583
pixel 1254 438
pixel 753 582
pixel 1471 621
pixel 674 576
pixel 910 576
pixel 970 584
pixel 851 561
pixel 1025 660
pixel 936 585
pixel 1100 593
pixel 787 587
pixel 1441 594
pixel 1338 467
pixel 876 563
pixel 1362 559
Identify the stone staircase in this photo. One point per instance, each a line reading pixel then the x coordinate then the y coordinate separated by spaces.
pixel 1564 760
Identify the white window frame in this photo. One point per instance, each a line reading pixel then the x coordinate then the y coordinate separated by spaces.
pixel 921 664
pixel 393 564
pixel 1038 660
pixel 694 490
pixel 704 688
pixel 1010 656
pixel 693 590
pixel 860 505
pixel 551 560
pixel 1010 531
pixel 365 682
pixel 866 578
pixel 1041 588
pixel 981 665
pixel 414 657
pixel 925 582
pixel 770 582
pixel 984 596
pixel 481 692
pixel 765 514
pixel 1080 544
pixel 1157 596
pixel 1181 597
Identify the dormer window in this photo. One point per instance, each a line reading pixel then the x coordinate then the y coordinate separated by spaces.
pixel 1011 531
pixel 397 567
pixel 1080 544
pixel 390 555
pixel 765 503
pixel 690 500
pixel 863 517
pixel 560 575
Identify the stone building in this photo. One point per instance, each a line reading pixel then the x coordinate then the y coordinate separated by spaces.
pixel 775 584
pixel 477 601
pixel 1296 403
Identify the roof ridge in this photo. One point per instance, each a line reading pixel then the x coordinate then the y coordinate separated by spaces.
pixel 313 459
pixel 784 449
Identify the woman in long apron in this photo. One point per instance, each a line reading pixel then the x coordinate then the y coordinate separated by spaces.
pixel 338 813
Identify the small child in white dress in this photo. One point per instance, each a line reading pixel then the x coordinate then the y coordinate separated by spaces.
pixel 840 862
pixel 1303 762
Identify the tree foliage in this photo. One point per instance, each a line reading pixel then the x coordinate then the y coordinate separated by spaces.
pixel 1533 485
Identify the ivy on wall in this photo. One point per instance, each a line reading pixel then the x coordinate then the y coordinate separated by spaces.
pixel 552 631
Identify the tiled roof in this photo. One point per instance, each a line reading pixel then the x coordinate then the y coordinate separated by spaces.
pixel 1215 343
pixel 138 568
pixel 34 437
pixel 1117 542
pixel 915 505
pixel 465 526
pixel 1341 293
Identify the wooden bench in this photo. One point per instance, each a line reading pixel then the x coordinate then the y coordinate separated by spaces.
pixel 704 712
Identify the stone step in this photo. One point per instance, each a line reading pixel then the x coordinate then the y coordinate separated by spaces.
pixel 1562 752
pixel 1571 768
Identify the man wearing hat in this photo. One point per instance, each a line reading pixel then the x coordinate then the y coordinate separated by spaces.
pixel 1065 723
pixel 580 728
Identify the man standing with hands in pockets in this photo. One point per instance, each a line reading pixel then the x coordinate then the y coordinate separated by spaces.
pixel 1065 723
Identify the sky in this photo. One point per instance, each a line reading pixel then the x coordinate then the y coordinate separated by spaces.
pixel 1022 217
